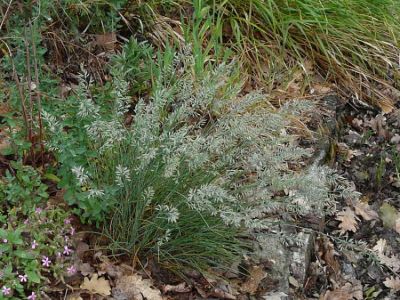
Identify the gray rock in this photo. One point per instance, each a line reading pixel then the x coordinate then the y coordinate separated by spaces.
pixel 269 248
pixel 301 257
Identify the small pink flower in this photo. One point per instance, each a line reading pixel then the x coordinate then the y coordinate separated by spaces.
pixel 67 251
pixel 32 296
pixel 46 261
pixel 67 221
pixel 71 270
pixel 38 210
pixel 6 291
pixel 23 278
pixel 26 221
pixel 34 244
pixel 5 241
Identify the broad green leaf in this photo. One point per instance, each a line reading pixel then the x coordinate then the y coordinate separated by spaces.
pixel 33 276
pixel 23 254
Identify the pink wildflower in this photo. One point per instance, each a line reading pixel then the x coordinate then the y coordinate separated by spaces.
pixel 71 270
pixel 46 261
pixel 67 251
pixel 38 210
pixel 5 241
pixel 6 290
pixel 34 244
pixel 67 221
pixel 23 278
pixel 32 296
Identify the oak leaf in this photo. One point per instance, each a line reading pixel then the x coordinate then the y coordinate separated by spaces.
pixel 349 291
pixel 85 269
pixel 392 283
pixel 326 251
pixel 390 261
pixel 135 287
pixel 96 285
pixel 348 220
pixel 365 211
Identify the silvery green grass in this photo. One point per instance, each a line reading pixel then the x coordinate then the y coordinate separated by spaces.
pixel 199 167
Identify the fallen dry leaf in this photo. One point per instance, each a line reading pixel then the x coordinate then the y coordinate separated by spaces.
pixel 349 291
pixel 81 248
pixel 96 285
pixel 221 294
pixel 326 250
pixel 393 283
pixel 256 275
pixel 365 211
pixel 74 297
pixel 106 40
pixel 344 150
pixel 380 246
pixel 348 220
pixel 179 288
pixel 200 290
pixel 358 123
pixel 85 269
pixel 378 125
pixel 320 89
pixel 391 262
pixel 109 268
pixel 135 287
pixel 395 181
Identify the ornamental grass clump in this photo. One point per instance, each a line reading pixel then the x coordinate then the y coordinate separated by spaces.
pixel 195 168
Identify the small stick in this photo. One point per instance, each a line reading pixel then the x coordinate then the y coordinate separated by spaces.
pixel 6 14
pixel 29 80
pixel 38 96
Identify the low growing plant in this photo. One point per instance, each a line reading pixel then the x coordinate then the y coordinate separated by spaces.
pixel 35 240
pixel 35 248
pixel 23 189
